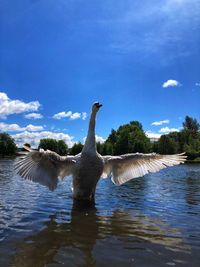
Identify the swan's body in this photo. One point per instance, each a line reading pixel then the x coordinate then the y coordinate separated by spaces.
pixel 86 174
pixel 87 167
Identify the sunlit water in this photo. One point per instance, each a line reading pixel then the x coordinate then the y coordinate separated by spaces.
pixel 150 221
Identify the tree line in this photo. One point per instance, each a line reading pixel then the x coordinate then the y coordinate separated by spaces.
pixel 187 140
pixel 128 138
pixel 131 138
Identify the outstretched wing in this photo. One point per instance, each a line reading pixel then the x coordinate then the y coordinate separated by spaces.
pixel 44 167
pixel 126 167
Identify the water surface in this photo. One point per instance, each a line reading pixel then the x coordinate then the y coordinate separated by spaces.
pixel 150 221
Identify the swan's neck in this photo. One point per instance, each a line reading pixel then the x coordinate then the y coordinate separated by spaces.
pixel 90 143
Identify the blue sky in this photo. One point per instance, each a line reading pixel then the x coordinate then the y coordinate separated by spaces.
pixel 140 59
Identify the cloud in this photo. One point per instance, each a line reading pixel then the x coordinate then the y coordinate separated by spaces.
pixel 33 138
pixel 152 135
pixel 75 116
pixel 33 128
pixel 8 106
pixel 197 84
pixel 33 116
pixel 170 83
pixel 62 115
pixel 98 139
pixel 156 123
pixel 165 130
pixel 16 128
pixel 84 115
pixel 168 130
pixel 70 115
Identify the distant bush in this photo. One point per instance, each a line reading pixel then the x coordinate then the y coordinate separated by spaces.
pixel 76 149
pixel 187 140
pixel 7 145
pixel 58 146
pixel 128 138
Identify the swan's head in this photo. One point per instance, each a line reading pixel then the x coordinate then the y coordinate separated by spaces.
pixel 96 106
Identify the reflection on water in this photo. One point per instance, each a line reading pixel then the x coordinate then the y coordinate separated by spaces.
pixel 77 239
pixel 151 221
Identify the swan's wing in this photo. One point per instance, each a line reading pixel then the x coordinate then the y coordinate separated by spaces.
pixel 126 167
pixel 44 167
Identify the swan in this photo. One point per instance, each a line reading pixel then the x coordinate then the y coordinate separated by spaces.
pixel 86 168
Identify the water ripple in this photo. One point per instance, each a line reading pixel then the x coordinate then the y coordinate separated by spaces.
pixel 145 222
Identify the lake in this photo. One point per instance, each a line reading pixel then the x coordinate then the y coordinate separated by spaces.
pixel 150 221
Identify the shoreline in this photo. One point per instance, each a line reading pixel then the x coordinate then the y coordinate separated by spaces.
pixel 192 161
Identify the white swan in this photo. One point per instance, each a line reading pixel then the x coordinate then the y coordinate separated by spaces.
pixel 87 167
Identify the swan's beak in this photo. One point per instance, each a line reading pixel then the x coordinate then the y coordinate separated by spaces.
pixel 98 105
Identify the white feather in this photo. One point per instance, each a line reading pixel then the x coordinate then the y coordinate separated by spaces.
pixel 126 167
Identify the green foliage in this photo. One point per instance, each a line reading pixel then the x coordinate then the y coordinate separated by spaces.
pixel 7 145
pixel 187 140
pixel 105 148
pixel 59 147
pixel 62 147
pixel 76 148
pixel 128 138
pixel 112 138
pixel 167 145
pixel 49 143
pixel 191 125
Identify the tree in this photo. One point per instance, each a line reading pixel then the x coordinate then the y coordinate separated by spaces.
pixel 59 146
pixel 76 148
pixel 128 138
pixel 187 140
pixel 190 137
pixel 167 145
pixel 7 145
pixel 62 147
pixel 137 124
pixel 112 138
pixel 190 124
pixel 48 143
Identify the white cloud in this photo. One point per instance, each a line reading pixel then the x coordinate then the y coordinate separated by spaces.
pixel 156 123
pixel 9 127
pixel 70 115
pixel 165 130
pixel 168 130
pixel 75 116
pixel 152 135
pixel 8 106
pixel 33 116
pixel 98 139
pixel 16 128
pixel 33 128
pixel 33 138
pixel 197 84
pixel 170 83
pixel 62 115
pixel 84 115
